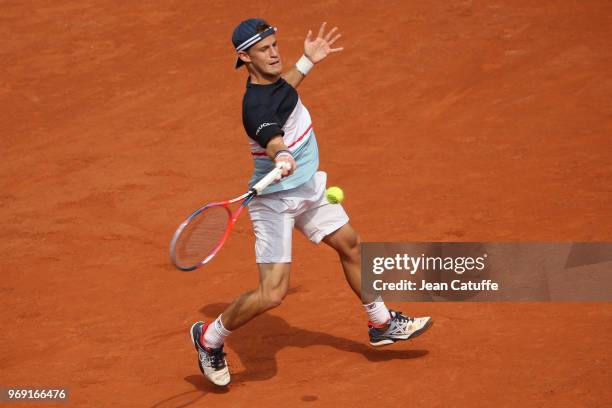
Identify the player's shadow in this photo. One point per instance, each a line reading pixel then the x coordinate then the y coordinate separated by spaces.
pixel 257 345
pixel 262 338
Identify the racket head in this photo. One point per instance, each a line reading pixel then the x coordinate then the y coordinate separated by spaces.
pixel 198 239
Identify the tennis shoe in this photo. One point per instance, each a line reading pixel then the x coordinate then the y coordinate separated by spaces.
pixel 400 327
pixel 212 362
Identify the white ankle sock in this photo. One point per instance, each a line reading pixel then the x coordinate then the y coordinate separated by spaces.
pixel 215 334
pixel 377 313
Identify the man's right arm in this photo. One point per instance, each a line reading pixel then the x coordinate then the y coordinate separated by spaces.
pixel 262 126
pixel 279 152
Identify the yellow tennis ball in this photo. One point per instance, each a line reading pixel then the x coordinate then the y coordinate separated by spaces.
pixel 334 195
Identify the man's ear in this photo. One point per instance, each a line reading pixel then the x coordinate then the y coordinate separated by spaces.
pixel 244 57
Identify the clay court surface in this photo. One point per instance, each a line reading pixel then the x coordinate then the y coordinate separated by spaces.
pixel 442 121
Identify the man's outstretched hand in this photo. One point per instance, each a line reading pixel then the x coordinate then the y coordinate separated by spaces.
pixel 318 49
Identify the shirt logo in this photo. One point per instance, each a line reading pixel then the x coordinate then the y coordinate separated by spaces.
pixel 263 125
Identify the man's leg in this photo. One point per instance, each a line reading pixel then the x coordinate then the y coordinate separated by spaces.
pixel 385 326
pixel 272 289
pixel 208 338
pixel 346 243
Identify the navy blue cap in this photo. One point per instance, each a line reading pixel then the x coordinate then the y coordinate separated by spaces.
pixel 245 35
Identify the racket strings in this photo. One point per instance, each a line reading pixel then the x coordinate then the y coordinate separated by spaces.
pixel 201 236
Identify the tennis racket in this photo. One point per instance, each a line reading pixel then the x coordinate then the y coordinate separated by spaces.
pixel 198 239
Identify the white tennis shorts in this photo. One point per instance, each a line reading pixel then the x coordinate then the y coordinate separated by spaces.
pixel 305 207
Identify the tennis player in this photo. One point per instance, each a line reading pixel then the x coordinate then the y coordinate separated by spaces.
pixel 280 129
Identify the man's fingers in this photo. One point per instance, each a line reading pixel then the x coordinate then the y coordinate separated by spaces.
pixel 321 30
pixel 333 40
pixel 336 49
pixel 331 32
pixel 289 171
pixel 286 169
pixel 309 35
pixel 289 167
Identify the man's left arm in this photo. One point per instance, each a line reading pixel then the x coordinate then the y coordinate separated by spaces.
pixel 315 51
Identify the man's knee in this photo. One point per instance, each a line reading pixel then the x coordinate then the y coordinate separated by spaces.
pixel 355 244
pixel 273 285
pixel 272 297
pixel 346 242
pixel 350 247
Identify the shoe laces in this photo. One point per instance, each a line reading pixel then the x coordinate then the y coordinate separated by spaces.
pixel 399 317
pixel 215 358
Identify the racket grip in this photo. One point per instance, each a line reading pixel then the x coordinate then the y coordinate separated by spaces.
pixel 270 178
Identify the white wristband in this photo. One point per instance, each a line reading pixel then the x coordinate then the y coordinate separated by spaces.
pixel 304 65
pixel 283 153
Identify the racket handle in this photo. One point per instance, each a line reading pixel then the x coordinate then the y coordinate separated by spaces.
pixel 270 178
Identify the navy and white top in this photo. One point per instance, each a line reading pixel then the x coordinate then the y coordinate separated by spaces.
pixel 272 110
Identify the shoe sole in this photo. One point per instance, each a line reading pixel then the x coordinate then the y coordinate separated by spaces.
pixel 198 350
pixel 416 333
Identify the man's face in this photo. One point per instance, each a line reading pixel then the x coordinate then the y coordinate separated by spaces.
pixel 265 57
